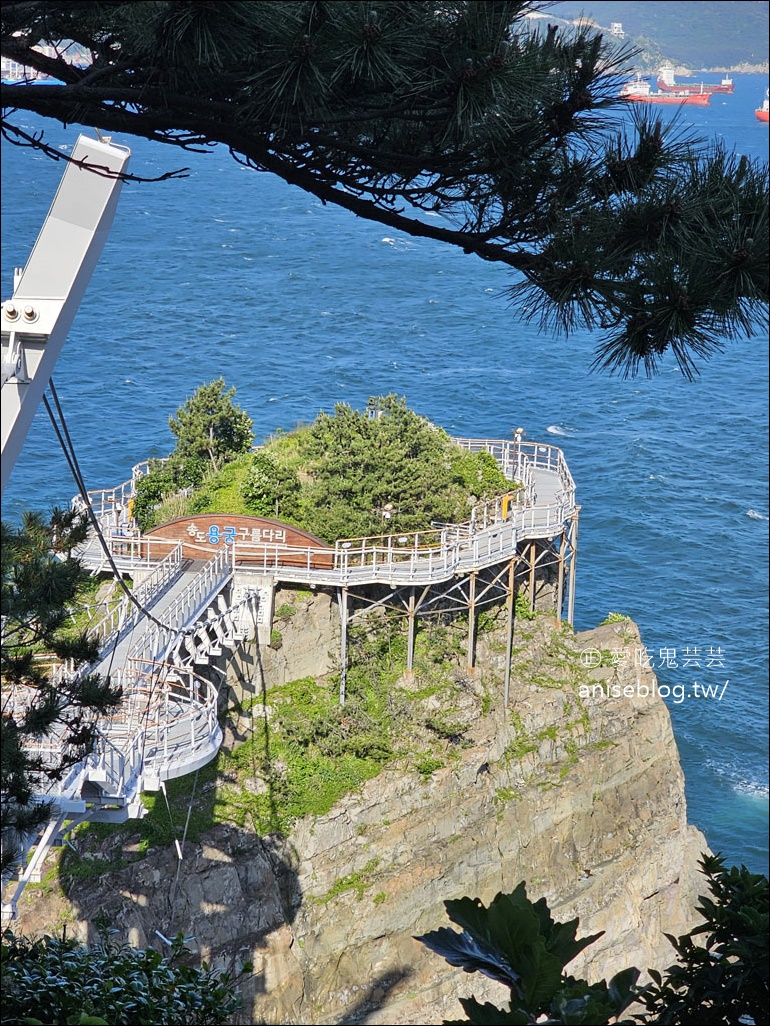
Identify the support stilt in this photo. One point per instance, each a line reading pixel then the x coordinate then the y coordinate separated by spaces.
pixel 560 586
pixel 343 597
pixel 411 623
pixel 511 603
pixel 571 599
pixel 472 624
pixel 532 578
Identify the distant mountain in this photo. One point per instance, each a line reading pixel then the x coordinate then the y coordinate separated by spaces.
pixel 719 34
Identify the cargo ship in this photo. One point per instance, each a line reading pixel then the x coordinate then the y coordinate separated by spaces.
pixel 761 113
pixel 667 83
pixel 641 92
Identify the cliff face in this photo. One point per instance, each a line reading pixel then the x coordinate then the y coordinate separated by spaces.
pixel 579 794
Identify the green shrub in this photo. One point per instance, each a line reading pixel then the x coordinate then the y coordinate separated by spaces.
pixel 270 488
pixel 57 980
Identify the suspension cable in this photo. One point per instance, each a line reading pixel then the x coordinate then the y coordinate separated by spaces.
pixel 65 441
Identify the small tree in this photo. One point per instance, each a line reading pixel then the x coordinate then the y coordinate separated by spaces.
pixel 721 976
pixel 210 427
pixel 40 582
pixel 271 489
pixel 386 470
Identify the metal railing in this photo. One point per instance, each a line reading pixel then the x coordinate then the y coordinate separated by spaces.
pixel 158 640
pixel 494 530
pixel 124 616
pixel 519 459
pixel 168 711
pixel 182 721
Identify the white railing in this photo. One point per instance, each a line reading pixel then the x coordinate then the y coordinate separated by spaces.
pixel 423 555
pixel 168 713
pixel 159 639
pixel 181 721
pixel 118 619
pixel 518 460
pixel 167 724
pixel 107 503
pixel 130 549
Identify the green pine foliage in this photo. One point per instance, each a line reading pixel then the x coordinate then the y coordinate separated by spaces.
pixel 271 487
pixel 211 433
pixel 384 470
pixel 381 471
pixel 349 474
pixel 209 427
pixel 509 128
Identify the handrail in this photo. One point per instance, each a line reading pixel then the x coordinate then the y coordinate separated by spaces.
pixel 116 619
pixel 167 710
pixel 423 556
pixel 434 554
pixel 167 723
pixel 170 731
pixel 159 638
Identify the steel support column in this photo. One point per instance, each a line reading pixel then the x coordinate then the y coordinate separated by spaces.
pixel 574 538
pixel 511 603
pixel 560 586
pixel 532 576
pixel 343 600
pixel 472 623
pixel 411 623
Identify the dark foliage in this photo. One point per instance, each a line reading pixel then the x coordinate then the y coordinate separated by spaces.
pixel 509 135
pixel 720 978
pixel 57 980
pixel 721 973
pixel 41 580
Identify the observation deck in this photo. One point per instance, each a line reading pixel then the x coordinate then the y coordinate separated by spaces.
pixel 193 598
pixel 541 507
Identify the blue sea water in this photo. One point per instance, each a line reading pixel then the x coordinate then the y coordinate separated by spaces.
pixel 229 272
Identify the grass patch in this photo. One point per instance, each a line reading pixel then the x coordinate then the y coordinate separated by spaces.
pixel 428 765
pixel 103 847
pixel 358 882
pixel 305 751
pixel 221 491
pixel 503 795
pixel 615 618
pixel 310 753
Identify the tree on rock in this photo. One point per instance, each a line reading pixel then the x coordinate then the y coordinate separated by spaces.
pixel 210 428
pixel 469 123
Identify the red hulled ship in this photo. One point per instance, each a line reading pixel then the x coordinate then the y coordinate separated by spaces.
pixel 761 113
pixel 641 92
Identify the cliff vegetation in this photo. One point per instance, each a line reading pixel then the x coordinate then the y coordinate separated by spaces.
pixel 347 474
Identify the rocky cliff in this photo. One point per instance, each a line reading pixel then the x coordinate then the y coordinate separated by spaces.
pixel 571 789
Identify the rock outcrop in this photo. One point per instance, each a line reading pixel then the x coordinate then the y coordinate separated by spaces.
pixel 577 793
